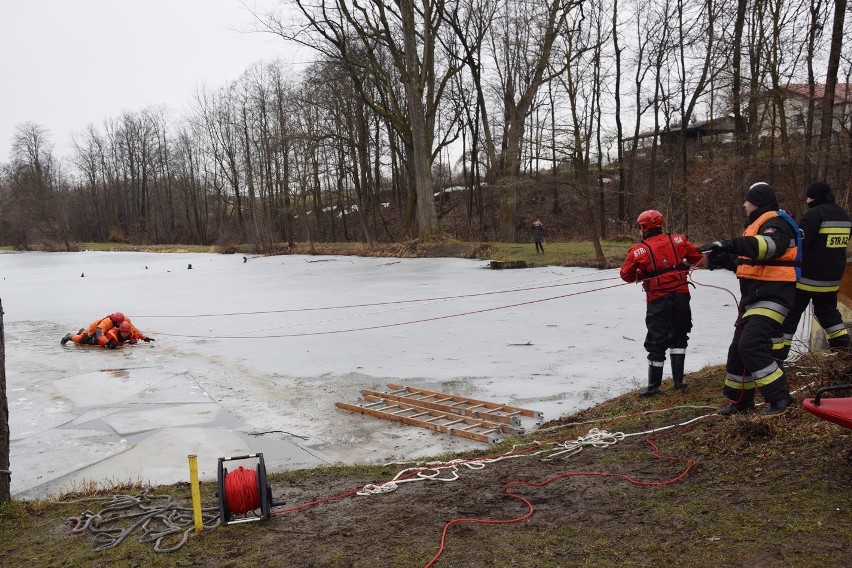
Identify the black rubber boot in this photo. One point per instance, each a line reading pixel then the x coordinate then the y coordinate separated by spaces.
pixel 655 378
pixel 745 404
pixel 66 339
pixel 678 360
pixel 779 407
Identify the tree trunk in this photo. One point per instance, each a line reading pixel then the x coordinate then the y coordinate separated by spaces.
pixel 5 473
pixel 830 84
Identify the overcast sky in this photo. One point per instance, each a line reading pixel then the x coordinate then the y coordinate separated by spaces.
pixel 67 63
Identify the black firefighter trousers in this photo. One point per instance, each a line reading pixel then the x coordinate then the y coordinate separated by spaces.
pixel 669 320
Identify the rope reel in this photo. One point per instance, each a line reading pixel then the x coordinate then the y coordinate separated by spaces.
pixel 243 492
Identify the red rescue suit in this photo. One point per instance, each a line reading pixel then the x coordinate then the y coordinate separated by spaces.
pixel 661 262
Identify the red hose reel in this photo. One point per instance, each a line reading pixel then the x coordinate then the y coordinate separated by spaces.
pixel 243 492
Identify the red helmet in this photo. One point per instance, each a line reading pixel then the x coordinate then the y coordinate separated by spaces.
pixel 650 219
pixel 117 318
pixel 125 328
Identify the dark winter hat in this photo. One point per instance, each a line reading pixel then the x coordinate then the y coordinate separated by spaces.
pixel 818 190
pixel 761 194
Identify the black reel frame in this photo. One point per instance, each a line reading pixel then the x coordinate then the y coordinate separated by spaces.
pixel 263 490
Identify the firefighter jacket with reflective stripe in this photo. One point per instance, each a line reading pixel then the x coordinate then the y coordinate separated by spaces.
pixel 826 227
pixel 767 290
pixel 767 250
pixel 661 262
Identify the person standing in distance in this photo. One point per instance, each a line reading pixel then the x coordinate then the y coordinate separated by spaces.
pixel 764 259
pixel 538 235
pixel 661 261
pixel 826 227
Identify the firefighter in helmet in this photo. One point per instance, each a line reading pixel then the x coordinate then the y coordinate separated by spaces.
pixel 661 261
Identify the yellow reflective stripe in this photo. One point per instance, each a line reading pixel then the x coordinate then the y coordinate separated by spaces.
pixel 765 312
pixel 834 230
pixel 762 247
pixel 809 288
pixel 837 333
pixel 748 385
pixel 771 377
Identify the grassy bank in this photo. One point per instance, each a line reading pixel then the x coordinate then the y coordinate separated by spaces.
pixel 556 254
pixel 704 491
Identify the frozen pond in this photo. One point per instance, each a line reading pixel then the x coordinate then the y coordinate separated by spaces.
pixel 252 356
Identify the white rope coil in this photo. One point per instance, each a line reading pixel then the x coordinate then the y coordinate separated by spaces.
pixel 449 471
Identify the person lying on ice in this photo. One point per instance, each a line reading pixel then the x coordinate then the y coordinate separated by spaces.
pixel 125 333
pixel 95 334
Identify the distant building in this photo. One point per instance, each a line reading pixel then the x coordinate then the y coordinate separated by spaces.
pixel 796 97
pixel 713 132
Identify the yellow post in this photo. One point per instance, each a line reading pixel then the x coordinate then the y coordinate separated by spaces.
pixel 196 492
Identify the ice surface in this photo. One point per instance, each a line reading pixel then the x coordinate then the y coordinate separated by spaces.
pixel 251 356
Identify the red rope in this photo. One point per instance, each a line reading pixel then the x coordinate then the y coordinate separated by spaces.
pixel 241 494
pixel 374 304
pixel 531 509
pixel 382 326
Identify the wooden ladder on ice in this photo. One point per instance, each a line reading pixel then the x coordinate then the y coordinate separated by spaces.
pixel 464 417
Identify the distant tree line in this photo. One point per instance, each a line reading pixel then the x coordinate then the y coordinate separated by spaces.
pixel 589 103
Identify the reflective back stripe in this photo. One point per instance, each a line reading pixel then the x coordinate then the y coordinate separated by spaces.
pixel 832 224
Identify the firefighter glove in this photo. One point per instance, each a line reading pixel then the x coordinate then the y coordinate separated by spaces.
pixel 726 246
pixel 111 344
pixel 148 339
pixel 720 259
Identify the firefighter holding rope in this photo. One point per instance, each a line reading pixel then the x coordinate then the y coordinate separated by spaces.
pixel 661 261
pixel 765 259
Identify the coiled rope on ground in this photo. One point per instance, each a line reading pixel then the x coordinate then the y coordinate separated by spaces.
pixel 155 517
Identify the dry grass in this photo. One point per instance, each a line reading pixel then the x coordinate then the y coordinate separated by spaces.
pixel 762 493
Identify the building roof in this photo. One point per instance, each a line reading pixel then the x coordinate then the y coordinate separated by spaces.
pixel 842 92
pixel 710 127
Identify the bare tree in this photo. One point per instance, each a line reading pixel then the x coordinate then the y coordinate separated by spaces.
pixel 359 36
pixel 830 85
pixel 35 207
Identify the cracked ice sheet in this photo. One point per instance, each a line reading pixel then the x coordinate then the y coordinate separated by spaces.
pixel 163 458
pixel 125 423
pixel 40 459
pixel 539 338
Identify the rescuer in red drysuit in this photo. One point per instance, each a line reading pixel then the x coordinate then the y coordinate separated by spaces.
pixel 661 261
